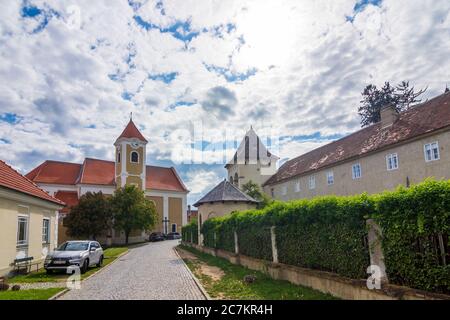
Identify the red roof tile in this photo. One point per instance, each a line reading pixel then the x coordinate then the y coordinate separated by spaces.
pixel 70 198
pixel 131 131
pixel 11 179
pixel 96 171
pixel 419 120
pixel 160 178
pixel 101 172
pixel 55 172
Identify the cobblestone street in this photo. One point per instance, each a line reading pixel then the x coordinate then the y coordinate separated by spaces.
pixel 152 272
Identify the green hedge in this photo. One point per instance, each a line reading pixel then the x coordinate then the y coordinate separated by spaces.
pixel 329 233
pixel 190 232
pixel 415 223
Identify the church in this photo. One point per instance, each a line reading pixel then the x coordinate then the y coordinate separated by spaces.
pixel 69 181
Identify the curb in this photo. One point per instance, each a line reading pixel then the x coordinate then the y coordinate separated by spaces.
pixel 197 282
pixel 59 294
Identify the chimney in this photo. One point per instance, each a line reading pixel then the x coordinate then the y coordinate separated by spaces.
pixel 388 116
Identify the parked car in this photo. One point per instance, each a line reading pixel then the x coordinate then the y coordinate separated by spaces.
pixel 173 236
pixel 83 254
pixel 156 236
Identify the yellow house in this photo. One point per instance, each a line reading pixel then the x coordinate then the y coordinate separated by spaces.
pixel 28 219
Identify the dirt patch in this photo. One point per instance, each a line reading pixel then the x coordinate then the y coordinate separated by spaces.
pixel 214 273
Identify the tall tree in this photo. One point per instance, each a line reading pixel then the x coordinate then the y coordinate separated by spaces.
pixel 253 190
pixel 402 97
pixel 132 210
pixel 90 218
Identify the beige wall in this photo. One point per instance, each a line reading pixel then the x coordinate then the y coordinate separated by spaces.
pixel 134 168
pixel 375 176
pixel 175 213
pixel 255 172
pixel 159 210
pixel 9 212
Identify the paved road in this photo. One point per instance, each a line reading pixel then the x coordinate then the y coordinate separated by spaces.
pixel 151 272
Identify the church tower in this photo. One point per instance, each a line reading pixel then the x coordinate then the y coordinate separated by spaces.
pixel 130 168
pixel 252 161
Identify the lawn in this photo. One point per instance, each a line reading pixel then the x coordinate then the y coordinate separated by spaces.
pixel 110 255
pixel 223 280
pixel 32 294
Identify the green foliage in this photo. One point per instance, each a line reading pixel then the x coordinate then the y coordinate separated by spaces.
pixel 189 233
pixel 330 233
pixel 254 191
pixel 90 218
pixel 412 221
pixel 132 210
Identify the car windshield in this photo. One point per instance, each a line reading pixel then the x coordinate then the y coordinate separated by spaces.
pixel 73 246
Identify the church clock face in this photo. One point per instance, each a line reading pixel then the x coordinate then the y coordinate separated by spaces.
pixel 134 144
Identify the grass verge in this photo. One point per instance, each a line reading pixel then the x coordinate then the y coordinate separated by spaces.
pixel 110 255
pixel 32 294
pixel 229 284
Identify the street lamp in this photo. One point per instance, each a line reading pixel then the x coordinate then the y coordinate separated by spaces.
pixel 166 223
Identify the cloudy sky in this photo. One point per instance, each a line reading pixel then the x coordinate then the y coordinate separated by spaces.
pixel 72 71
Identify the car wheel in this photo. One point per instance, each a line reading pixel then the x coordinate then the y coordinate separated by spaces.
pixel 85 266
pixel 100 262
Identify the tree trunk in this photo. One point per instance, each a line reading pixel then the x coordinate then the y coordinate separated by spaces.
pixel 127 233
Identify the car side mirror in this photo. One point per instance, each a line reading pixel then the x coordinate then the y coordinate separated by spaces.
pixel 93 249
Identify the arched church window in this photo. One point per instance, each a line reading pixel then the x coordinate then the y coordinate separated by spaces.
pixel 118 157
pixel 231 179
pixel 236 178
pixel 134 157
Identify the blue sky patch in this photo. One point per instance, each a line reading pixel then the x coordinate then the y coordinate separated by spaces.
pixel 30 11
pixel 180 30
pixel 10 118
pixel 164 77
pixel 360 5
pixel 229 75
pixel 127 96
pixel 4 141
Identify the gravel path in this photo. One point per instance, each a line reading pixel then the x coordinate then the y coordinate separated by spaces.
pixel 150 272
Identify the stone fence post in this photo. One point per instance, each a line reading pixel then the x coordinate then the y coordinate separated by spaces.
pixel 375 249
pixel 236 243
pixel 273 237
pixel 215 240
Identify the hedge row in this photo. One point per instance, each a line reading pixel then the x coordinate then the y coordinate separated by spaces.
pixel 189 233
pixel 330 233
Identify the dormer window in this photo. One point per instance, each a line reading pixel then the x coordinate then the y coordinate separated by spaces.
pixel 134 157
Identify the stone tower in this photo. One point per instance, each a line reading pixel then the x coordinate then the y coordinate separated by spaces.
pixel 130 168
pixel 252 161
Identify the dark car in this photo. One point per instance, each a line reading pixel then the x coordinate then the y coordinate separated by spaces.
pixel 173 236
pixel 156 236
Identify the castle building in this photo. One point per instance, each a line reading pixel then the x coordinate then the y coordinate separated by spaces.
pixel 69 181
pixel 251 162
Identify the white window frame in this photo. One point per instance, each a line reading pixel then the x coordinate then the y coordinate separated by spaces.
pixel 131 157
pixel 22 243
pixel 171 227
pixel 330 177
pixel 354 176
pixel 312 182
pixel 432 154
pixel 297 186
pixel 46 236
pixel 389 161
pixel 284 190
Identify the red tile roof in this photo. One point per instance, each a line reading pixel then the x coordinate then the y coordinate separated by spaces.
pixel 131 131
pixel 419 120
pixel 98 172
pixel 55 172
pixel 160 178
pixel 11 179
pixel 70 198
pixel 101 172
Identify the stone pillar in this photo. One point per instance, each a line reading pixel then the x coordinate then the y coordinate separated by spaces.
pixel 215 240
pixel 375 250
pixel 274 245
pixel 236 243
pixel 192 237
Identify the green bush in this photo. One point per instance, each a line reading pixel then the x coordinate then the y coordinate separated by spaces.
pixel 330 233
pixel 189 233
pixel 415 223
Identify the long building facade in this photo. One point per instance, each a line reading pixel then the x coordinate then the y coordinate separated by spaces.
pixel 401 149
pixel 69 181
